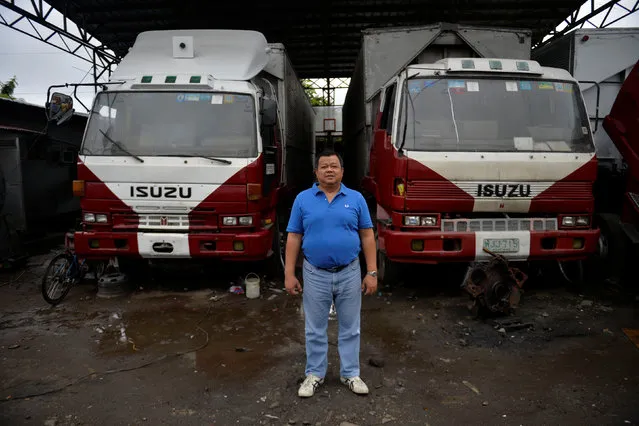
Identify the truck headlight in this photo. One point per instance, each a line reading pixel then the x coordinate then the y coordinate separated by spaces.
pixel 583 221
pixel 429 221
pixel 229 221
pixel 411 220
pixel 89 217
pixel 101 218
pixel 569 221
pixel 233 221
pixel 420 220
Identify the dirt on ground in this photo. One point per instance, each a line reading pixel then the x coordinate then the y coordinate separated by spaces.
pixel 180 349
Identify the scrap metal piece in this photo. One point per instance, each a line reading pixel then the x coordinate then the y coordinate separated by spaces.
pixel 494 285
pixel 511 324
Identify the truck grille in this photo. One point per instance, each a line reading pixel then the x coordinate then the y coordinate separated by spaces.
pixel 157 221
pixel 500 224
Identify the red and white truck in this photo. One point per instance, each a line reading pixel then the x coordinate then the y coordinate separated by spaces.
pixel 194 149
pixel 464 144
pixel 620 230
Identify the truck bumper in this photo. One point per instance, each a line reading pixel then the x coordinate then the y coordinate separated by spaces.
pixel 440 247
pixel 252 246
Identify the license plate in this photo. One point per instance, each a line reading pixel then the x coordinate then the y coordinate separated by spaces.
pixel 502 245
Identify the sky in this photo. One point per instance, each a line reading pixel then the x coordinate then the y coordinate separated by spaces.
pixel 38 65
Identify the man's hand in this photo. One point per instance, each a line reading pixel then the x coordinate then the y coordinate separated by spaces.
pixel 292 284
pixel 369 285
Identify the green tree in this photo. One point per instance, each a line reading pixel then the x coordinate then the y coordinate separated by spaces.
pixel 311 92
pixel 7 89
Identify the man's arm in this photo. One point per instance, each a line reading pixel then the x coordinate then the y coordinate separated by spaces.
pixel 295 229
pixel 293 245
pixel 369 247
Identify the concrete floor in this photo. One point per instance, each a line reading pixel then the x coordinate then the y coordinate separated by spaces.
pixel 180 349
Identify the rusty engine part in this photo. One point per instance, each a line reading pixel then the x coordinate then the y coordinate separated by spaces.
pixel 494 285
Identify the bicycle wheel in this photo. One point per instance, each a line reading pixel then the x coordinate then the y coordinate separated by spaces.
pixel 56 281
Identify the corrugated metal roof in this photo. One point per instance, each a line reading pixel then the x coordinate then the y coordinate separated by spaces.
pixel 322 37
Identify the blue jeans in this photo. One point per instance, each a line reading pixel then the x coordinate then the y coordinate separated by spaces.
pixel 320 288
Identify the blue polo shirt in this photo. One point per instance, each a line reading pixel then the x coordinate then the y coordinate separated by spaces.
pixel 329 231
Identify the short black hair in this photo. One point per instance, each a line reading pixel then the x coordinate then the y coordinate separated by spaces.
pixel 328 153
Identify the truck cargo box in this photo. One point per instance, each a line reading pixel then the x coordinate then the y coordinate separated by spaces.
pixel 386 51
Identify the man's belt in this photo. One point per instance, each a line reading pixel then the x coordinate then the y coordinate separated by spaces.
pixel 334 269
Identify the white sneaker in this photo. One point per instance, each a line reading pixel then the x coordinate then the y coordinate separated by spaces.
pixel 355 384
pixel 309 385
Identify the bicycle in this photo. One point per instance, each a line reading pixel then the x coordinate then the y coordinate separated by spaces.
pixel 64 271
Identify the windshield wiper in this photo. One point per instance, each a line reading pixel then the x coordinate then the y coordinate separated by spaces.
pixel 407 97
pixel 219 160
pixel 120 146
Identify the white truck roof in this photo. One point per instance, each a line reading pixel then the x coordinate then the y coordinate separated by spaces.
pixel 223 54
pixel 527 68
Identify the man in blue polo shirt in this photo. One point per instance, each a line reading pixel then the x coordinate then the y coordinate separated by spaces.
pixel 330 223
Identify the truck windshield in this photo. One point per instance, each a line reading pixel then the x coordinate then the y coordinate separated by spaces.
pixel 493 115
pixel 172 123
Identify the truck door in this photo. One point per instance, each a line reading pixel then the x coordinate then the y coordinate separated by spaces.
pixel 622 124
pixel 387 166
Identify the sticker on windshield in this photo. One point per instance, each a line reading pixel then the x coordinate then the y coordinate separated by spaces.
pixel 545 85
pixel 180 97
pixel 584 130
pixel 563 87
pixel 457 86
pixel 192 97
pixel 217 99
pixel 511 86
pixel 414 86
pixel 206 97
pixel 525 85
pixel 472 86
pixel 228 99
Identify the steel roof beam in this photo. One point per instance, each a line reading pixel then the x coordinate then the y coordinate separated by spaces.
pixel 573 23
pixel 57 37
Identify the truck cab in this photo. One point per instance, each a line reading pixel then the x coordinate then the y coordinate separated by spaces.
pixel 477 155
pixel 184 153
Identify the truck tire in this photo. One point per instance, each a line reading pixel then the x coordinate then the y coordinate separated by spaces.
pixel 607 267
pixel 275 263
pixel 388 272
pixel 573 273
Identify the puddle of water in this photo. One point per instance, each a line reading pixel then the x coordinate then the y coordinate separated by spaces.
pixel 157 331
pixel 244 338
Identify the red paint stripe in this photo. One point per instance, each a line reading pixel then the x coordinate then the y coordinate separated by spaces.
pixel 427 190
pixel 570 194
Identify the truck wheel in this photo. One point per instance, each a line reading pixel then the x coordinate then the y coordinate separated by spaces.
pixel 573 274
pixel 608 264
pixel 275 263
pixel 388 272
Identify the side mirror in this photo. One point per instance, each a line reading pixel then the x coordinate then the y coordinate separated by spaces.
pixel 269 112
pixel 60 108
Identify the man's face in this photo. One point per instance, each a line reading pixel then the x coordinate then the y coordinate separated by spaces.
pixel 329 171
